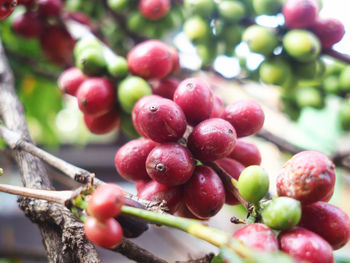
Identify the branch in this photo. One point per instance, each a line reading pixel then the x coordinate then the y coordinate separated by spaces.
pixel 206 259
pixel 335 54
pixel 31 254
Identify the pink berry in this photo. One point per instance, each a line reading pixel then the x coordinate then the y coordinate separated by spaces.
pixel 154 9
pixel 300 13
pixel 329 31
pixel 165 87
pixel 103 124
pixel 28 25
pixel 70 80
pixel 50 7
pixel 218 108
pixel 246 153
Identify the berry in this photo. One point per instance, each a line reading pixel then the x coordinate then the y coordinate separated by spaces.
pixel 70 80
pixel 246 153
pixel 106 201
pixel 308 176
pixel 257 236
pixel 103 124
pixel 170 164
pixel 281 213
pixel 91 61
pixel 329 31
pixel 154 9
pixel 328 221
pixel 203 8
pixel 107 234
pixel 165 87
pixel 260 39
pixel 304 245
pixel 218 108
pixel 300 13
pixel 96 96
pixel 246 116
pixel 212 139
pixel 267 7
pixel 50 7
pixel 184 212
pixel 175 60
pixel 196 28
pixel 150 59
pixel 195 98
pixel 275 71
pixel 28 25
pixel 204 193
pixel 117 66
pixel 26 2
pixel 6 8
pixel 140 184
pixel 131 157
pixel 231 11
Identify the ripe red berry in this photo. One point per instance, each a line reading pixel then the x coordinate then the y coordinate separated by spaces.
pixel 300 13
pixel 150 60
pixel 218 108
pixel 175 60
pixel 195 98
pixel 328 221
pixel 154 9
pixel 6 8
pixel 170 164
pixel 26 2
pixel 257 236
pixel 130 159
pixel 184 212
pixel 140 184
pixel 28 25
pixel 50 7
pixel 204 193
pixel 82 18
pixel 308 176
pixel 304 245
pixel 246 116
pixel 212 139
pixel 234 169
pixel 70 80
pixel 329 31
pixel 104 123
pixel 165 87
pixel 107 234
pixel 246 153
pixel 154 191
pixel 96 96
pixel 106 201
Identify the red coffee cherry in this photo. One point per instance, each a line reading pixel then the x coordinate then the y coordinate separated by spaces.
pixel 26 2
pixel 28 25
pixel 70 80
pixel 154 9
pixel 300 13
pixel 6 8
pixel 50 7
pixel 246 153
pixel 175 60
pixel 329 31
pixel 165 87
pixel 218 108
pixel 103 124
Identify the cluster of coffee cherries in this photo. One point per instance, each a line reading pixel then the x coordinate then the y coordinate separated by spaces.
pixel 149 18
pixel 101 227
pixel 182 137
pixel 308 227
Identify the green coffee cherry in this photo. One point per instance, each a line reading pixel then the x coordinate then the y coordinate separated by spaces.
pixel 203 8
pixel 281 213
pixel 267 7
pixel 117 66
pixel 344 115
pixel 91 61
pixel 196 28
pixel 117 5
pixel 127 126
pixel 309 97
pixel 344 79
pixel 275 71
pixel 232 35
pixel 136 22
pixel 260 39
pixel 331 84
pixel 86 43
pixel 231 11
pixel 253 183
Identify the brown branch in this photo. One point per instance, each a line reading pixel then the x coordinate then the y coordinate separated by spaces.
pixel 206 259
pixel 335 54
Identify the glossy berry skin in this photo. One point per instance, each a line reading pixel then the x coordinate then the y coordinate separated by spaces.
pixel 104 123
pixel 106 201
pixel 195 98
pixel 70 80
pixel 329 31
pixel 184 212
pixel 96 96
pixel 304 245
pixel 154 9
pixel 161 120
pixel 246 116
pixel 150 60
pixel 140 184
pixel 26 2
pixel 204 193
pixel 212 139
pixel 300 13
pixel 246 153
pixel 308 176
pixel 130 159
pixel 281 213
pixel 218 108
pixel 170 164
pixel 328 221
pixel 165 87
pixel 154 191
pixel 257 236
pixel 50 7
pixel 107 234
pixel 6 8
pixel 175 60
pixel 28 25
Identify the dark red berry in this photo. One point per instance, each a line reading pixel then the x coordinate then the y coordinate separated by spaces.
pixel 154 9
pixel 246 116
pixel 184 212
pixel 130 159
pixel 329 31
pixel 70 80
pixel 104 123
pixel 50 7
pixel 300 13
pixel 26 2
pixel 246 153
pixel 28 25
pixel 6 8
pixel 140 184
pixel 212 139
pixel 218 108
pixel 165 87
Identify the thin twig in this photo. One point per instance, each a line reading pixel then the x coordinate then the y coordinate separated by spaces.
pixel 335 54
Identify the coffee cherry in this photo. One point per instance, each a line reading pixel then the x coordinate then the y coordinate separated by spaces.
pixel 253 183
pixel 344 79
pixel 154 9
pixel 140 184
pixel 106 234
pixel 131 157
pixel 309 97
pixel 106 201
pixel 218 107
pixel 328 221
pixel 150 59
pixel 96 96
pixel 91 61
pixel 300 13
pixel 165 87
pixel 212 139
pixel 329 31
pixel 154 191
pixel 184 212
pixel 87 42
pixel 281 213
pixel 70 80
pixel 267 7
pixel 117 5
pixel 203 8
pixel 50 7
pixel 234 169
pixel 195 98
pixel 6 8
pixel 231 11
pixel 175 60
pixel 246 116
pixel 103 124
pixel 28 25
pixel 260 39
pixel 130 90
pixel 26 2
pixel 117 66
pixel 275 71
pixel 246 153
pixel 304 245
pixel 344 115
pixel 204 193
pixel 257 236
pixel 196 28
pixel 308 176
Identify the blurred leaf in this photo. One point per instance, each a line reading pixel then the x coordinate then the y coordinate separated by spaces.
pixel 226 255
